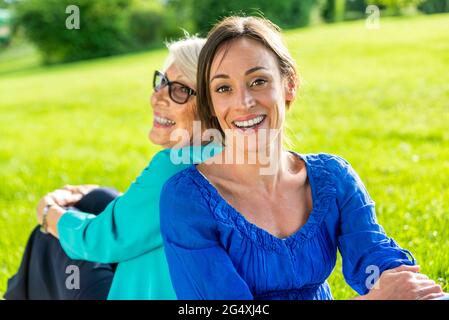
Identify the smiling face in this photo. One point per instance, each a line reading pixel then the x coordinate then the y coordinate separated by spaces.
pixel 247 90
pixel 169 115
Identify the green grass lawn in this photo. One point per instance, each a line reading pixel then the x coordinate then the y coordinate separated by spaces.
pixel 379 98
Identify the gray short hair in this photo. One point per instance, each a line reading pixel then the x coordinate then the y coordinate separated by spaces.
pixel 184 54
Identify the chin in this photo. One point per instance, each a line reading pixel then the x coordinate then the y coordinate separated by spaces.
pixel 156 139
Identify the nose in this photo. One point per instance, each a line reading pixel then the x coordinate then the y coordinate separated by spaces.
pixel 246 99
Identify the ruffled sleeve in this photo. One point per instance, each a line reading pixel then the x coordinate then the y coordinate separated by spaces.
pixel 200 268
pixel 365 248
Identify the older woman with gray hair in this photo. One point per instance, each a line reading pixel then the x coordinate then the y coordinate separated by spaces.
pixel 110 244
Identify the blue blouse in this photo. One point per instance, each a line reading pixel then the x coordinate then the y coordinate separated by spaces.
pixel 213 252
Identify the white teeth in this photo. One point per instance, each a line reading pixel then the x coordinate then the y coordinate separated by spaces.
pixel 249 123
pixel 164 121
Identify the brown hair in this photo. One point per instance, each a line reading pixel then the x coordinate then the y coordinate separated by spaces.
pixel 231 28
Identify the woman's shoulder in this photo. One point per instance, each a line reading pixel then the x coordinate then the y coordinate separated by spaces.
pixel 322 164
pixel 182 183
pixel 188 187
pixel 185 204
pixel 332 169
pixel 329 160
pixel 340 173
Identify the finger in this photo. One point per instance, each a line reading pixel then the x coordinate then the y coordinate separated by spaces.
pixel 74 189
pixel 69 187
pixel 60 201
pixel 88 188
pixel 61 196
pixel 73 198
pixel 62 191
pixel 433 296
pixel 424 292
pixel 70 199
pixel 50 199
pixel 91 185
pixel 406 268
pixel 65 194
pixel 403 275
pixel 421 276
pixel 424 283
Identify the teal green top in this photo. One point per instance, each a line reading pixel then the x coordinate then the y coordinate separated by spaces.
pixel 127 232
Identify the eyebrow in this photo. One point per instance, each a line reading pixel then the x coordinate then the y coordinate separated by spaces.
pixel 180 78
pixel 249 71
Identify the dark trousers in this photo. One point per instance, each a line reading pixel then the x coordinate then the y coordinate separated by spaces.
pixel 46 272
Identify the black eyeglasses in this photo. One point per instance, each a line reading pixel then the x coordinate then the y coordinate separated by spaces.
pixel 177 91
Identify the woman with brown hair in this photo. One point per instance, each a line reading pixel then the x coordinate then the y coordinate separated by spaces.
pixel 268 225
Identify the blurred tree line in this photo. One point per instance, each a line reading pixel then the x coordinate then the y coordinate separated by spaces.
pixel 109 27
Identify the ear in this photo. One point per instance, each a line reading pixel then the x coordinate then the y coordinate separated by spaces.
pixel 291 84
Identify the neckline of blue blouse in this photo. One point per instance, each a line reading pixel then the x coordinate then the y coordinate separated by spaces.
pixel 323 193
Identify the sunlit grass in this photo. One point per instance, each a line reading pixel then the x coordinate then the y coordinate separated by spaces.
pixel 379 98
